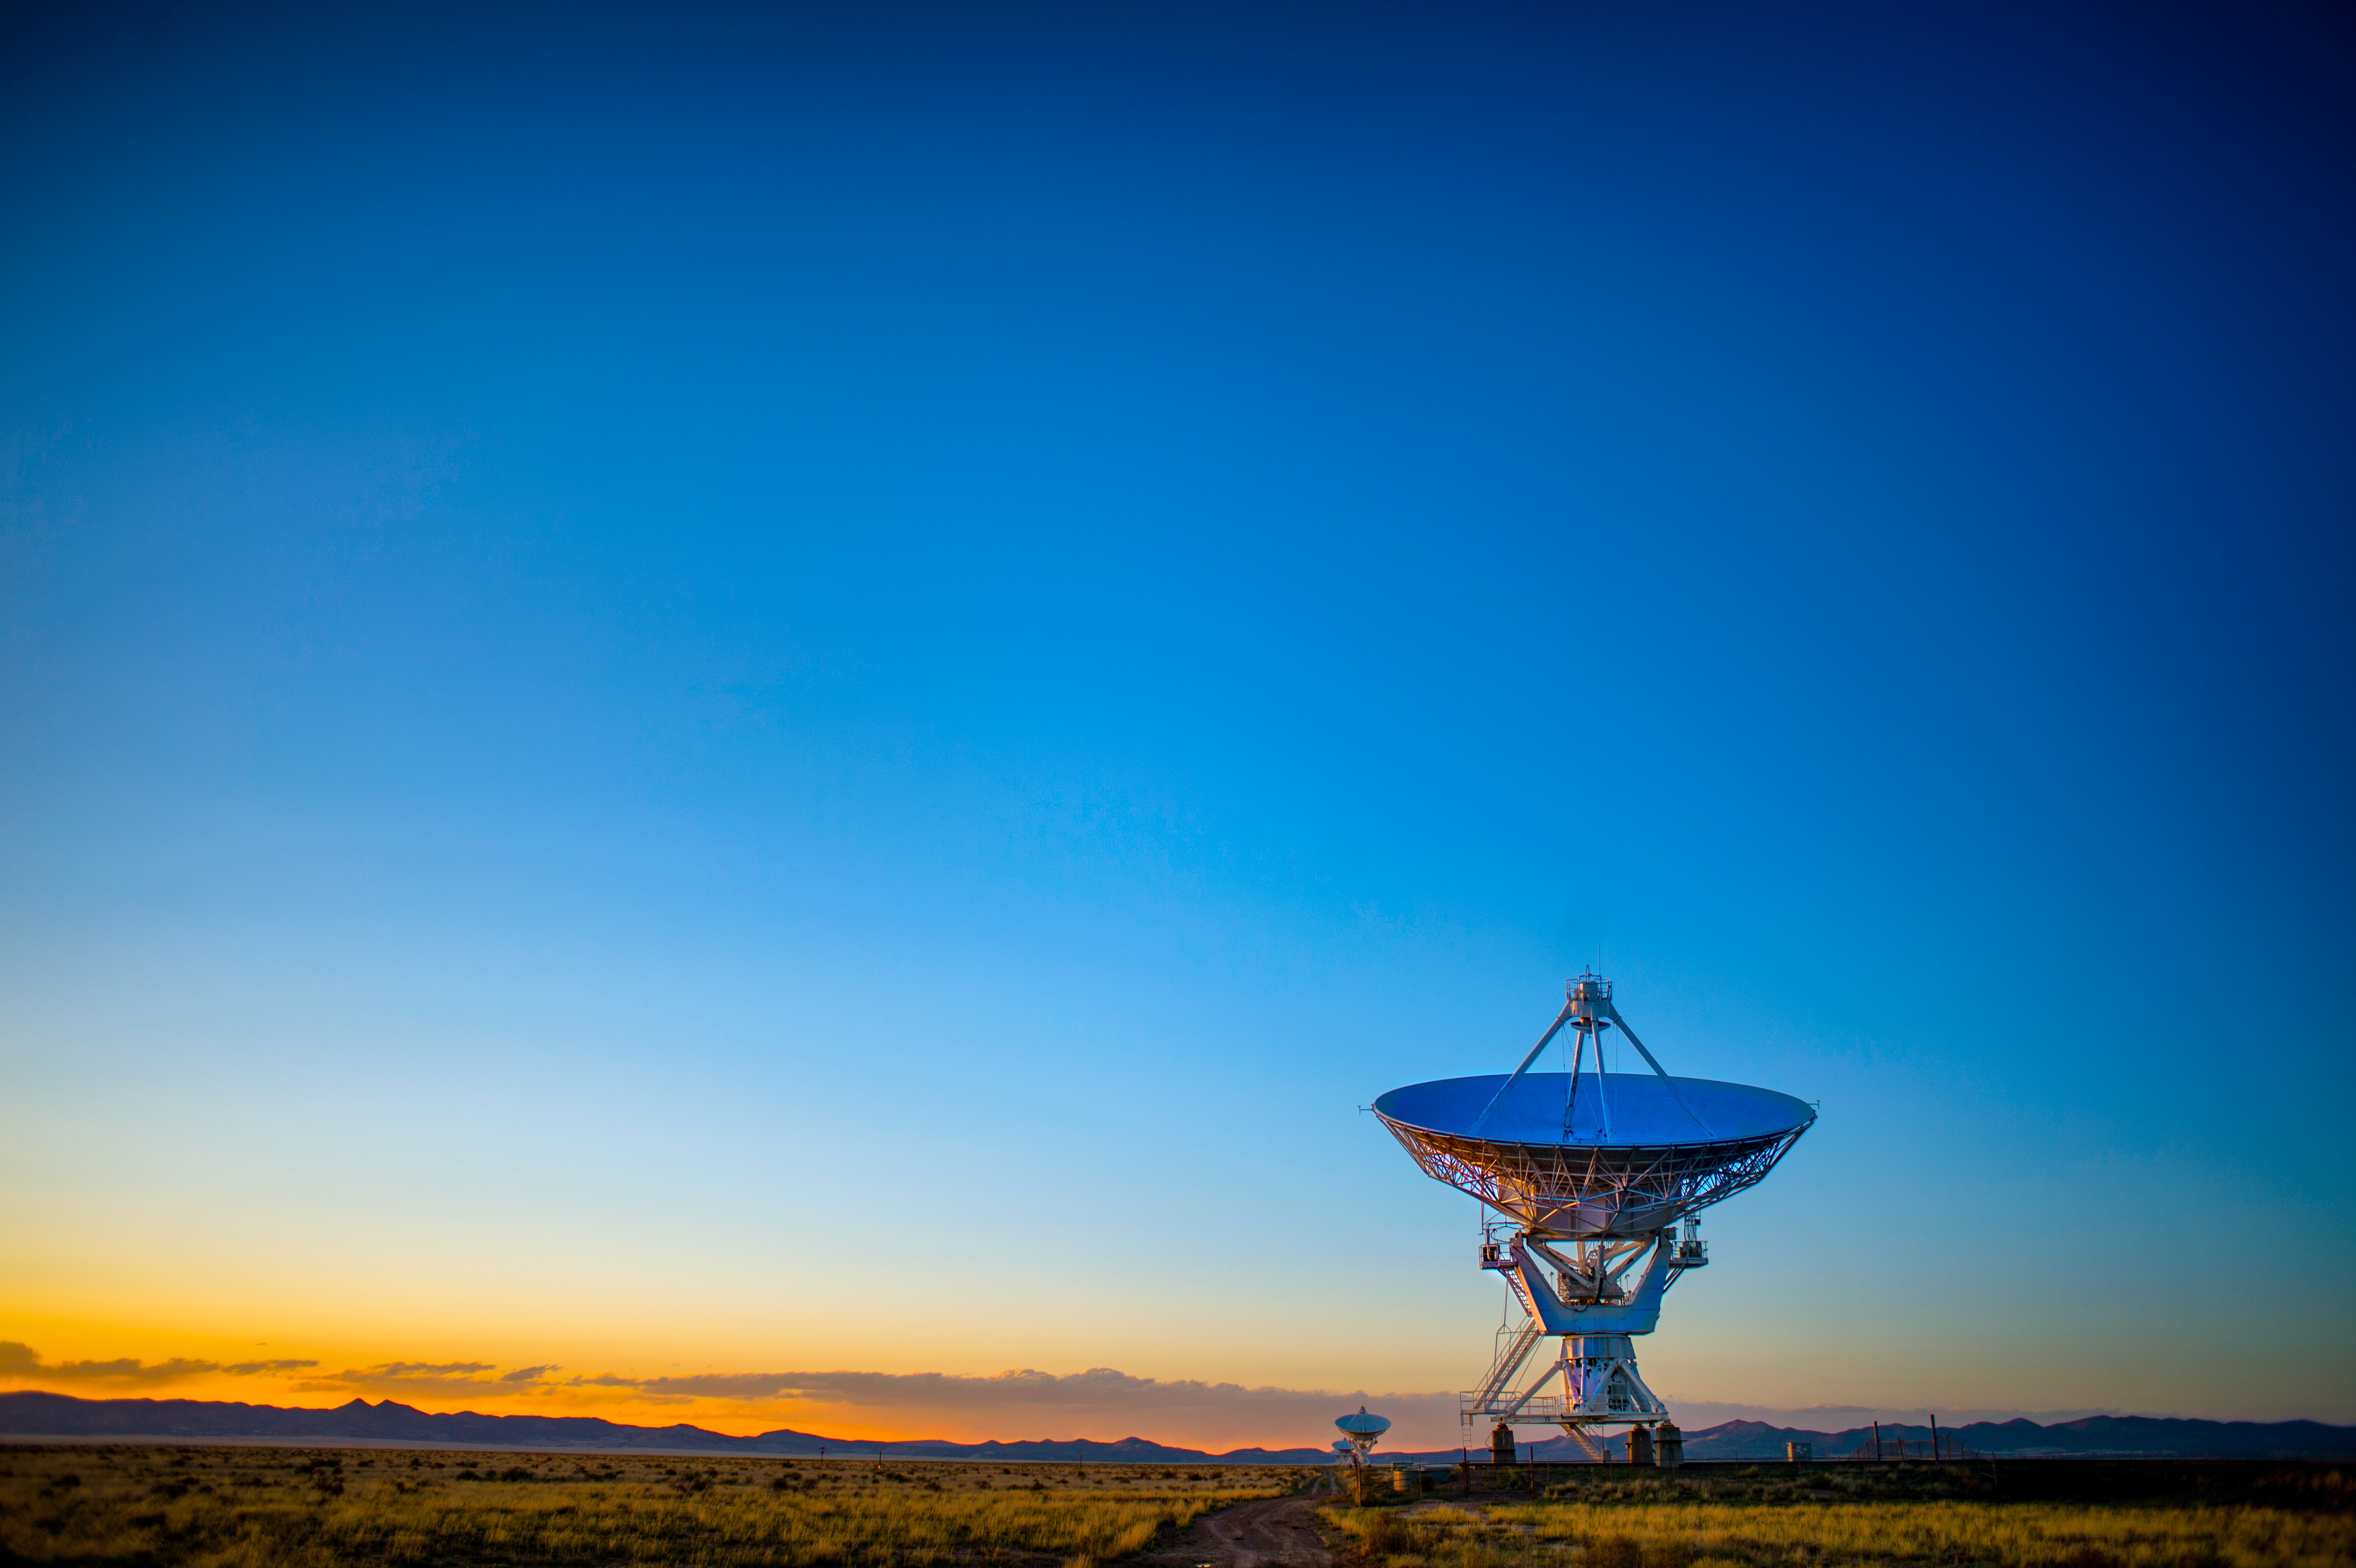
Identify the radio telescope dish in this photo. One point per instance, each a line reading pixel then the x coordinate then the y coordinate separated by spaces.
pixel 1587 1156
pixel 1359 1435
pixel 1590 1171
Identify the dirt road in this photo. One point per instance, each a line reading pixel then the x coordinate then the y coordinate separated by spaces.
pixel 1275 1533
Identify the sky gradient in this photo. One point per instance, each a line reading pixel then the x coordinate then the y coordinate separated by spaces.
pixel 797 698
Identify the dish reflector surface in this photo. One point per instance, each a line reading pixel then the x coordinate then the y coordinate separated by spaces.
pixel 1641 1107
pixel 1634 1161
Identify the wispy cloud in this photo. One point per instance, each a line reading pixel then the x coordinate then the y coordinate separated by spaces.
pixel 1027 1397
pixel 21 1360
pixel 1101 1401
pixel 410 1380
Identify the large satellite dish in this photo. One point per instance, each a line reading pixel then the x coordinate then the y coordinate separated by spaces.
pixel 1640 1154
pixel 1589 1171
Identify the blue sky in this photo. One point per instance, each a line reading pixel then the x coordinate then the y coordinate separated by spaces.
pixel 823 689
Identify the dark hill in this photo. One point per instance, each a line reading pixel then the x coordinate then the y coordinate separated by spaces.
pixel 2095 1436
pixel 36 1414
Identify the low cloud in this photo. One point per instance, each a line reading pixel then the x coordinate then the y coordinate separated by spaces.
pixel 21 1360
pixel 410 1380
pixel 398 1380
pixel 1023 1390
pixel 1029 1403
pixel 1097 1388
pixel 1101 1401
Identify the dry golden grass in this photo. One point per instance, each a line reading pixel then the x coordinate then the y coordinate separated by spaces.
pixel 1836 1534
pixel 255 1507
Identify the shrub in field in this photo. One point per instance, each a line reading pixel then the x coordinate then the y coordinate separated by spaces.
pixel 1615 1552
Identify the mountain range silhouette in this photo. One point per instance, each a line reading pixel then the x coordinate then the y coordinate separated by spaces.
pixel 32 1413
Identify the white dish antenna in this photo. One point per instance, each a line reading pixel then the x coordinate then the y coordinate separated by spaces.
pixel 1589 1171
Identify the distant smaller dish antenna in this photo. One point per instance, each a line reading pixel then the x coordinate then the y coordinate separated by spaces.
pixel 1360 1433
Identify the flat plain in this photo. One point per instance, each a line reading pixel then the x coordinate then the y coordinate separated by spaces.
pixel 2040 1515
pixel 280 1508
pixel 216 1506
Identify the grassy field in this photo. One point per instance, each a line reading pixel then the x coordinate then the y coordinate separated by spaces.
pixel 282 1507
pixel 136 1507
pixel 1803 1519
